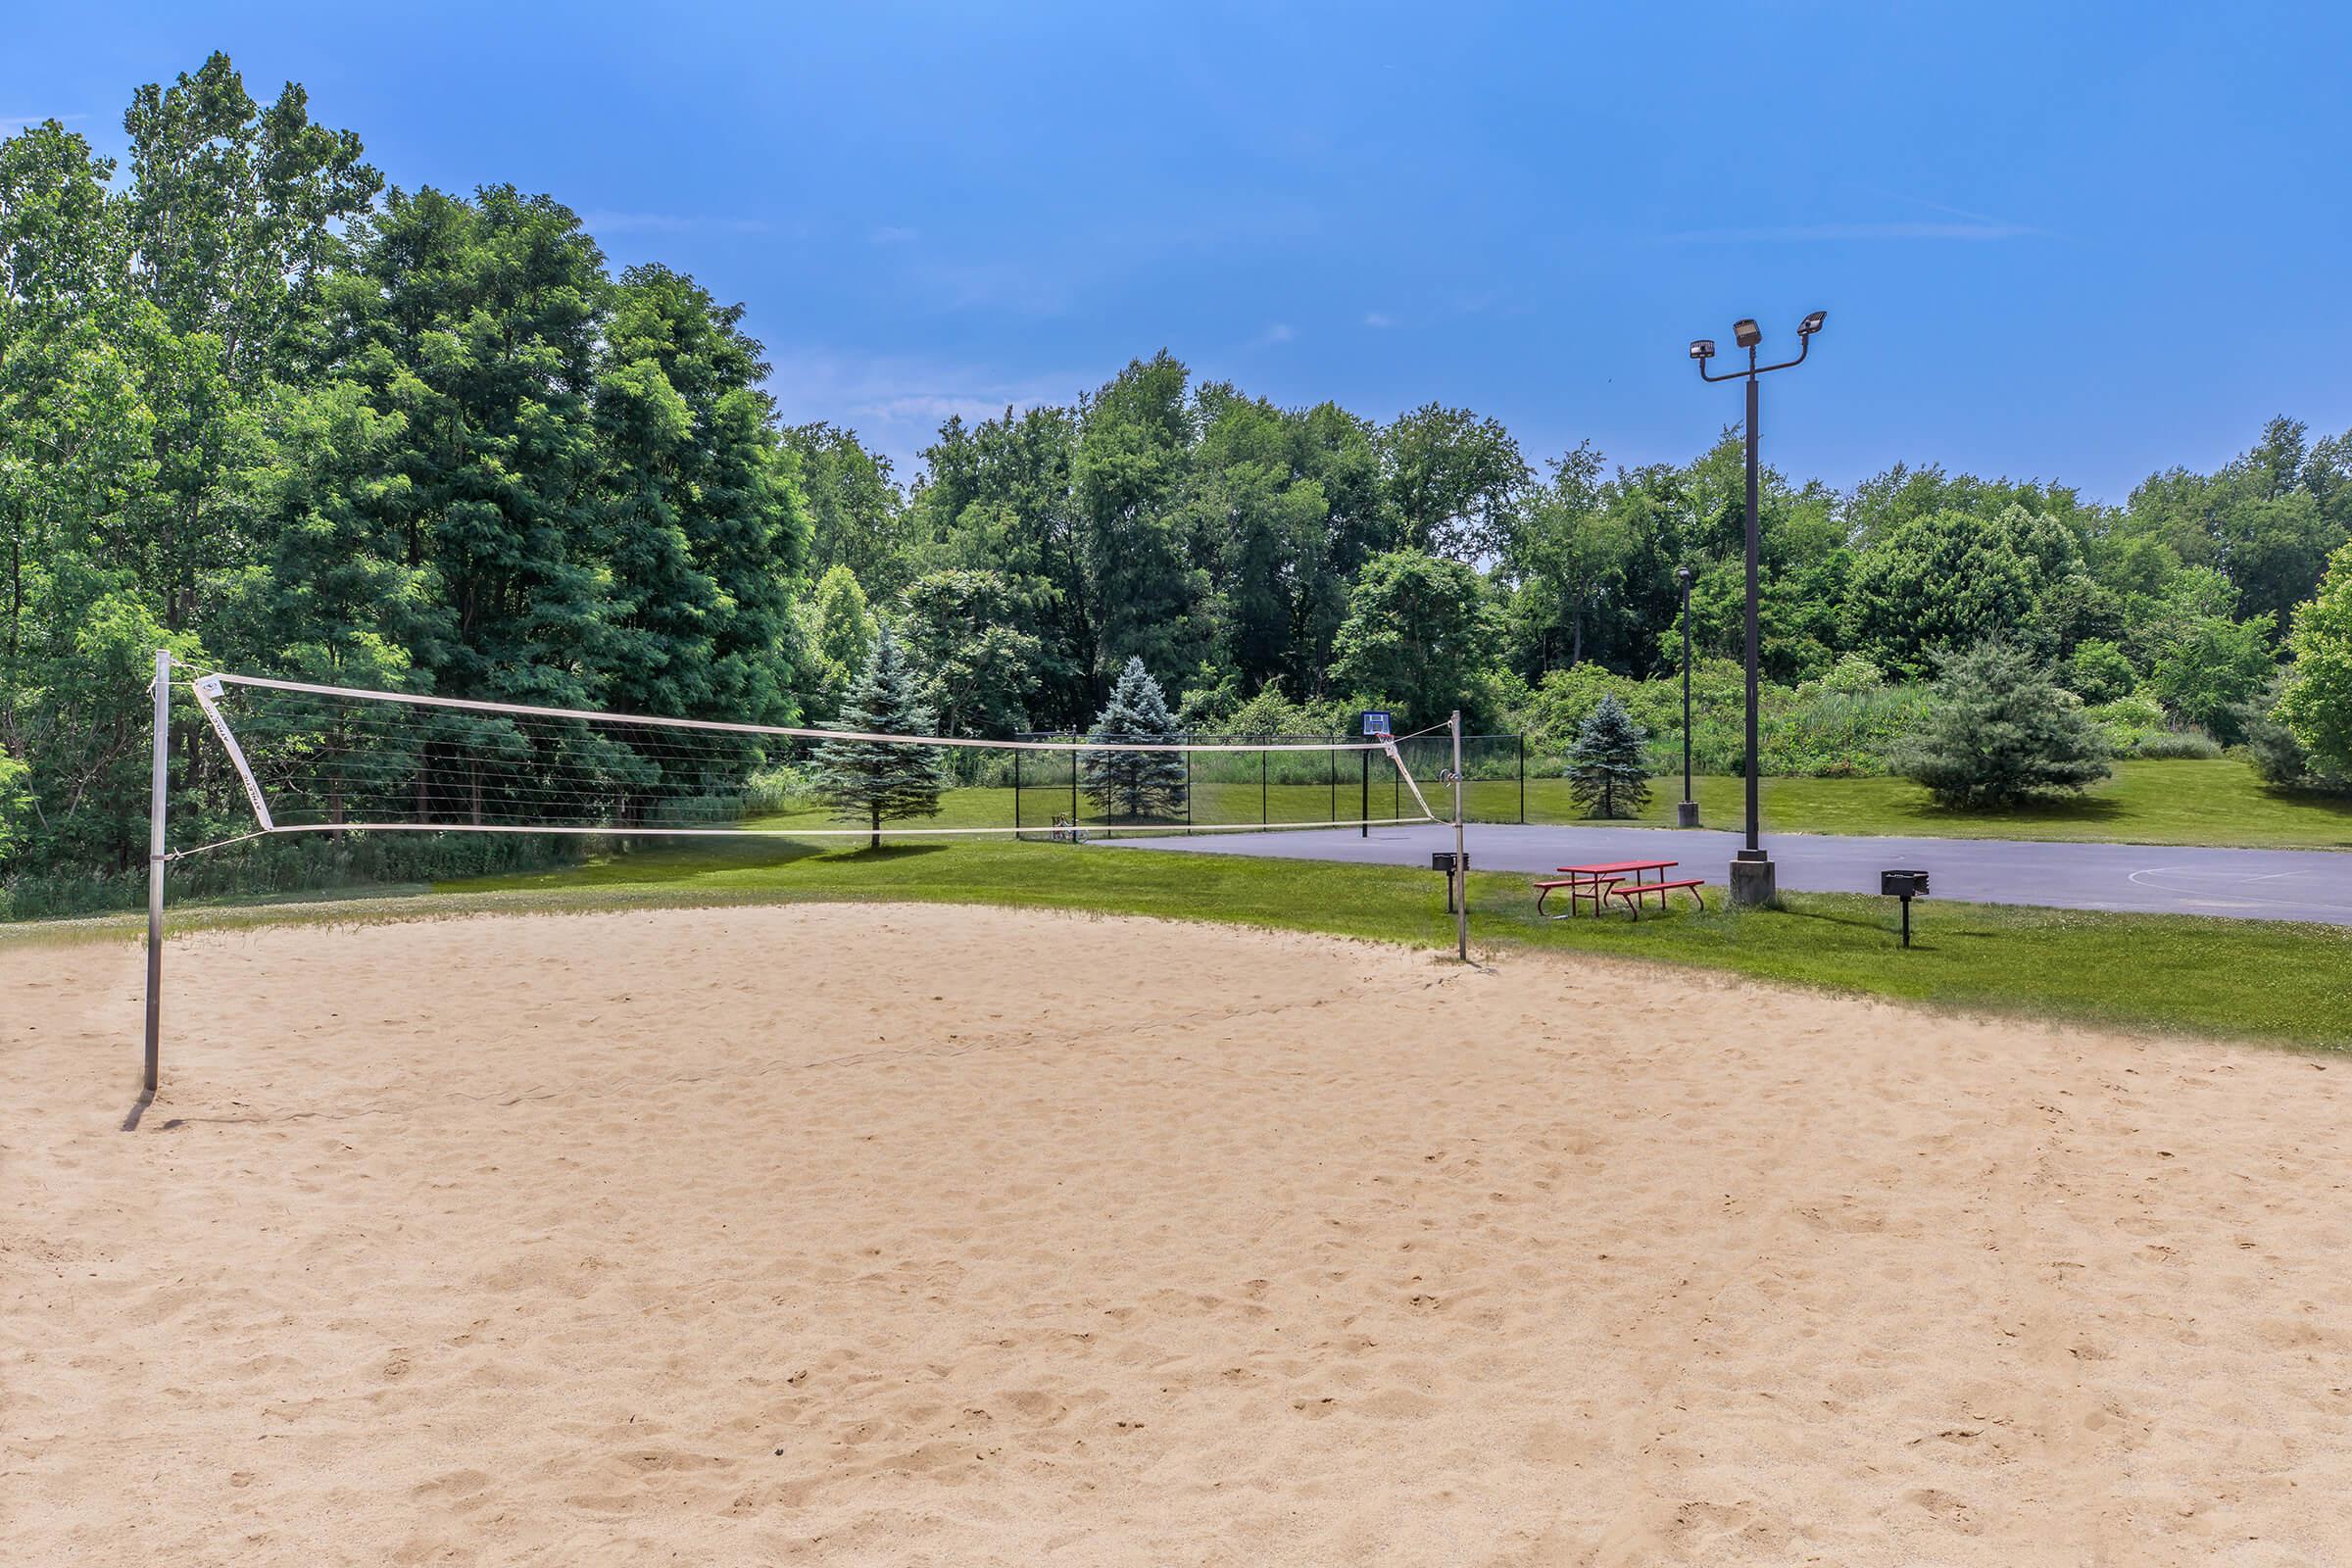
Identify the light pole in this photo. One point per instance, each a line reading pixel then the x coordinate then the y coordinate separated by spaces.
pixel 1686 813
pixel 1753 880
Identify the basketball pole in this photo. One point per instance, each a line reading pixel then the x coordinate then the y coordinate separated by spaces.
pixel 1461 859
pixel 158 785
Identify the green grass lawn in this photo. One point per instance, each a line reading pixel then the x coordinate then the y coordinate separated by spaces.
pixel 2257 979
pixel 2219 802
pixel 2222 802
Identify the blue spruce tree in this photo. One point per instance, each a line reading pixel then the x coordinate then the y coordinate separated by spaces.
pixel 1135 784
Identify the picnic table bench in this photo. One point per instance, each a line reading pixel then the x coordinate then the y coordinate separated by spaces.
pixel 1610 880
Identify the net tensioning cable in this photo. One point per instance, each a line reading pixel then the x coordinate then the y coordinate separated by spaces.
pixel 312 757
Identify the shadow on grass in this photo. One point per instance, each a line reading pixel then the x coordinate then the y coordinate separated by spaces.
pixel 2088 809
pixel 870 855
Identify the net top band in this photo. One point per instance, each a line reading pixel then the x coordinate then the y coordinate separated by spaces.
pixel 586 715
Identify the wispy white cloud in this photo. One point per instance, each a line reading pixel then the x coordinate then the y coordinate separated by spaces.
pixel 893 234
pixel 611 223
pixel 14 123
pixel 1279 332
pixel 897 402
pixel 1377 322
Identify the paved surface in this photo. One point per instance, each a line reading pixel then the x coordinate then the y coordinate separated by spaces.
pixel 2252 884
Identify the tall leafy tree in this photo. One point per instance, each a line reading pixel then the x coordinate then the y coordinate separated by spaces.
pixel 857 517
pixel 839 628
pixel 478 323
pixel 998 497
pixel 2316 705
pixel 2209 668
pixel 1263 527
pixel 236 215
pixel 703 521
pixel 1943 582
pixel 1417 635
pixel 1133 451
pixel 965 629
pixel 1451 480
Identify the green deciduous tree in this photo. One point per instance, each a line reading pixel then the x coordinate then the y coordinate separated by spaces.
pixel 2316 705
pixel 1417 635
pixel 1132 454
pixel 1947 580
pixel 1608 773
pixel 2003 732
pixel 2208 668
pixel 702 525
pixel 857 517
pixel 1451 480
pixel 965 630
pixel 479 323
pixel 839 628
pixel 881 781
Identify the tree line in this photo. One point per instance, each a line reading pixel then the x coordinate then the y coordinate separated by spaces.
pixel 262 407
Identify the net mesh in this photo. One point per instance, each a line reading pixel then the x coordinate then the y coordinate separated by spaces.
pixel 313 757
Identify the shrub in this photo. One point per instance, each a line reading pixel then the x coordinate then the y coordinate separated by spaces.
pixel 1850 674
pixel 2003 732
pixel 1842 733
pixel 2276 753
pixel 781 788
pixel 2098 673
pixel 2128 721
pixel 2177 746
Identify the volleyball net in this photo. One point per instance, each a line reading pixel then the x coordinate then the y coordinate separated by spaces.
pixel 309 757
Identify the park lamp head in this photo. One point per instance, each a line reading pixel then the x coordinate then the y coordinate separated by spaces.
pixel 1811 324
pixel 1682 575
pixel 1747 333
pixel 1703 349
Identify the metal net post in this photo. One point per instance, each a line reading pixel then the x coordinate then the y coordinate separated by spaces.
pixel 158 786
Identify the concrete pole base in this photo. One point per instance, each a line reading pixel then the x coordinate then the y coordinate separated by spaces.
pixel 1686 813
pixel 1753 882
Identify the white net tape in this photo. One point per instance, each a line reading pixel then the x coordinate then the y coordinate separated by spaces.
pixel 315 758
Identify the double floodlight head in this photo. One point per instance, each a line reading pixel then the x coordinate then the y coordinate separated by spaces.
pixel 1703 349
pixel 1811 324
pixel 1747 333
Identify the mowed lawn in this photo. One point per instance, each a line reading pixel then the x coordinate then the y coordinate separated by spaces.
pixel 2259 979
pixel 2222 802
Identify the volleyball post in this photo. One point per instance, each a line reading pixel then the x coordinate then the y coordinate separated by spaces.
pixel 158 784
pixel 1461 858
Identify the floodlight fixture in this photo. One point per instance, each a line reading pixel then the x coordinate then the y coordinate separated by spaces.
pixel 1811 324
pixel 1747 333
pixel 1703 349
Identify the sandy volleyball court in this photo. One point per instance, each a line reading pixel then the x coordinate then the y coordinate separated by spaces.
pixel 855 1234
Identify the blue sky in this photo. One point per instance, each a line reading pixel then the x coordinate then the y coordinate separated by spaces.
pixel 2078 242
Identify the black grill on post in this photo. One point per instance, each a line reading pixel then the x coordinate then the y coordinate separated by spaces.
pixel 1442 860
pixel 1906 886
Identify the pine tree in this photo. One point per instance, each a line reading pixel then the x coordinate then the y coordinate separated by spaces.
pixel 876 781
pixel 2003 731
pixel 1144 783
pixel 1606 770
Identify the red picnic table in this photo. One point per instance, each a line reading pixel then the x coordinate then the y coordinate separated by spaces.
pixel 1610 880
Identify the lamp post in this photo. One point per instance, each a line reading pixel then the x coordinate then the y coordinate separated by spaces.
pixel 1753 880
pixel 1686 813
